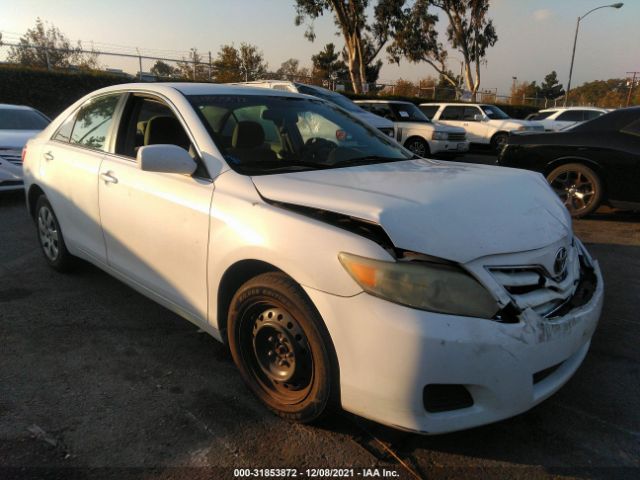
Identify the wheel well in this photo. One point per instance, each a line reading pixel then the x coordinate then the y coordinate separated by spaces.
pixel 34 192
pixel 499 132
pixel 235 276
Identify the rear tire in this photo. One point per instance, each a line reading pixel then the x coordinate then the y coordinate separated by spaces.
pixel 281 347
pixel 578 186
pixel 50 237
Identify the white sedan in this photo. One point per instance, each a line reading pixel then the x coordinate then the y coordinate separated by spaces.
pixel 340 269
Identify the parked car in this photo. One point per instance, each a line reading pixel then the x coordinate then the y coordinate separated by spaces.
pixel 484 124
pixel 341 270
pixel 376 121
pixel 415 131
pixel 556 119
pixel 18 123
pixel 592 163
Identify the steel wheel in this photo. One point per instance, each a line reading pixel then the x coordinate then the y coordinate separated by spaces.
pixel 578 187
pixel 276 350
pixel 48 233
pixel 282 348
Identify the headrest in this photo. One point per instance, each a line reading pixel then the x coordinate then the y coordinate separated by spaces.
pixel 165 130
pixel 247 134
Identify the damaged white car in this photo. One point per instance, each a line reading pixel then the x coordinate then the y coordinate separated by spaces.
pixel 340 269
pixel 17 125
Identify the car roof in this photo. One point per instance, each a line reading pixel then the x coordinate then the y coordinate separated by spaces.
pixel 564 109
pixel 456 104
pixel 198 89
pixel 384 101
pixel 8 106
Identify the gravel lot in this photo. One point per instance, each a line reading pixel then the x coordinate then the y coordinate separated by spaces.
pixel 96 381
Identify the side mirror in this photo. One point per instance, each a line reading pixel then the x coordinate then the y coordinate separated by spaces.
pixel 165 159
pixel 478 118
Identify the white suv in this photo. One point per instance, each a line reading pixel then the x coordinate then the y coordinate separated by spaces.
pixel 381 123
pixel 484 124
pixel 415 131
pixel 556 119
pixel 430 296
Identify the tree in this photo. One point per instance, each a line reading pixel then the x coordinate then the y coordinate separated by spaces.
pixel 469 31
pixel 227 65
pixel 163 70
pixel 46 46
pixel 327 64
pixel 290 70
pixel 550 89
pixel 351 20
pixel 252 64
pixel 193 68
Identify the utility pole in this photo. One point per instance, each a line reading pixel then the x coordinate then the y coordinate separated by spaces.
pixel 210 66
pixel 139 62
pixel 631 85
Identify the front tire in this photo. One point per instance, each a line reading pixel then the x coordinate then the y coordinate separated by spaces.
pixel 579 188
pixel 418 146
pixel 50 237
pixel 499 140
pixel 279 344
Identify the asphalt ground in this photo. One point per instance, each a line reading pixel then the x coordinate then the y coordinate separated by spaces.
pixel 96 381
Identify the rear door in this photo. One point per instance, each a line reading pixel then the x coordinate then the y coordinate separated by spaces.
pixel 155 224
pixel 69 170
pixel 568 119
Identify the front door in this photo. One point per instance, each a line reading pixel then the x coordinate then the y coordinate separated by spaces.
pixel 156 225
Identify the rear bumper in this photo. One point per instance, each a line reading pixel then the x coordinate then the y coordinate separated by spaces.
pixel 388 353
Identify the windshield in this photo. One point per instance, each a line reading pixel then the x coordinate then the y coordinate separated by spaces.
pixel 271 134
pixel 540 115
pixel 18 119
pixel 408 112
pixel 332 97
pixel 493 112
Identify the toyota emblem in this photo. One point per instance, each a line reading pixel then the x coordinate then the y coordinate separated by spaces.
pixel 560 262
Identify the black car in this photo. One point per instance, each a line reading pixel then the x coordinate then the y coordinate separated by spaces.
pixel 592 163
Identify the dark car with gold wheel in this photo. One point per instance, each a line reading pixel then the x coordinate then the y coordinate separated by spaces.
pixel 590 164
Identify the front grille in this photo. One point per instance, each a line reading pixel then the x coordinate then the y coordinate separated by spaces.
pixel 542 374
pixel 443 398
pixel 12 156
pixel 534 287
pixel 11 183
pixel 387 131
pixel 457 137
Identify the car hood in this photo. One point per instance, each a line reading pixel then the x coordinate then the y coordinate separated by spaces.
pixel 454 211
pixel 374 120
pixel 16 138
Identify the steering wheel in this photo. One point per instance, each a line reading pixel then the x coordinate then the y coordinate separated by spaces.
pixel 318 149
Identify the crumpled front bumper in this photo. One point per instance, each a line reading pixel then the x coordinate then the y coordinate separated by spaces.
pixel 388 353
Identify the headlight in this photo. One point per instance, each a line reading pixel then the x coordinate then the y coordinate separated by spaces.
pixel 521 128
pixel 426 286
pixel 439 135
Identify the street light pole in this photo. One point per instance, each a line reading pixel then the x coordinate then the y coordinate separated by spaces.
pixel 575 40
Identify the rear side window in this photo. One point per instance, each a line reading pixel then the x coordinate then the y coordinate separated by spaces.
pixel 541 115
pixel 452 113
pixel 92 124
pixel 429 110
pixel 571 116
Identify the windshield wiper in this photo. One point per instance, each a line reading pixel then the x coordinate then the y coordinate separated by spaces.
pixel 271 165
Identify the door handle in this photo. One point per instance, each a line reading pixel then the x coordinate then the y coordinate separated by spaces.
pixel 48 156
pixel 108 177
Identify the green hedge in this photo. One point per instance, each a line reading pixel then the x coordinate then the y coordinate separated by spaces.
pixel 49 91
pixel 514 111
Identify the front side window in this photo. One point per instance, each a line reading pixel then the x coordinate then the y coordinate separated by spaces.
pixel 268 134
pixel 380 109
pixel 452 113
pixel 93 121
pixel 571 116
pixel 470 114
pixel 591 114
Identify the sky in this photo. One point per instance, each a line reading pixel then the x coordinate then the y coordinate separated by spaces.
pixel 534 36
